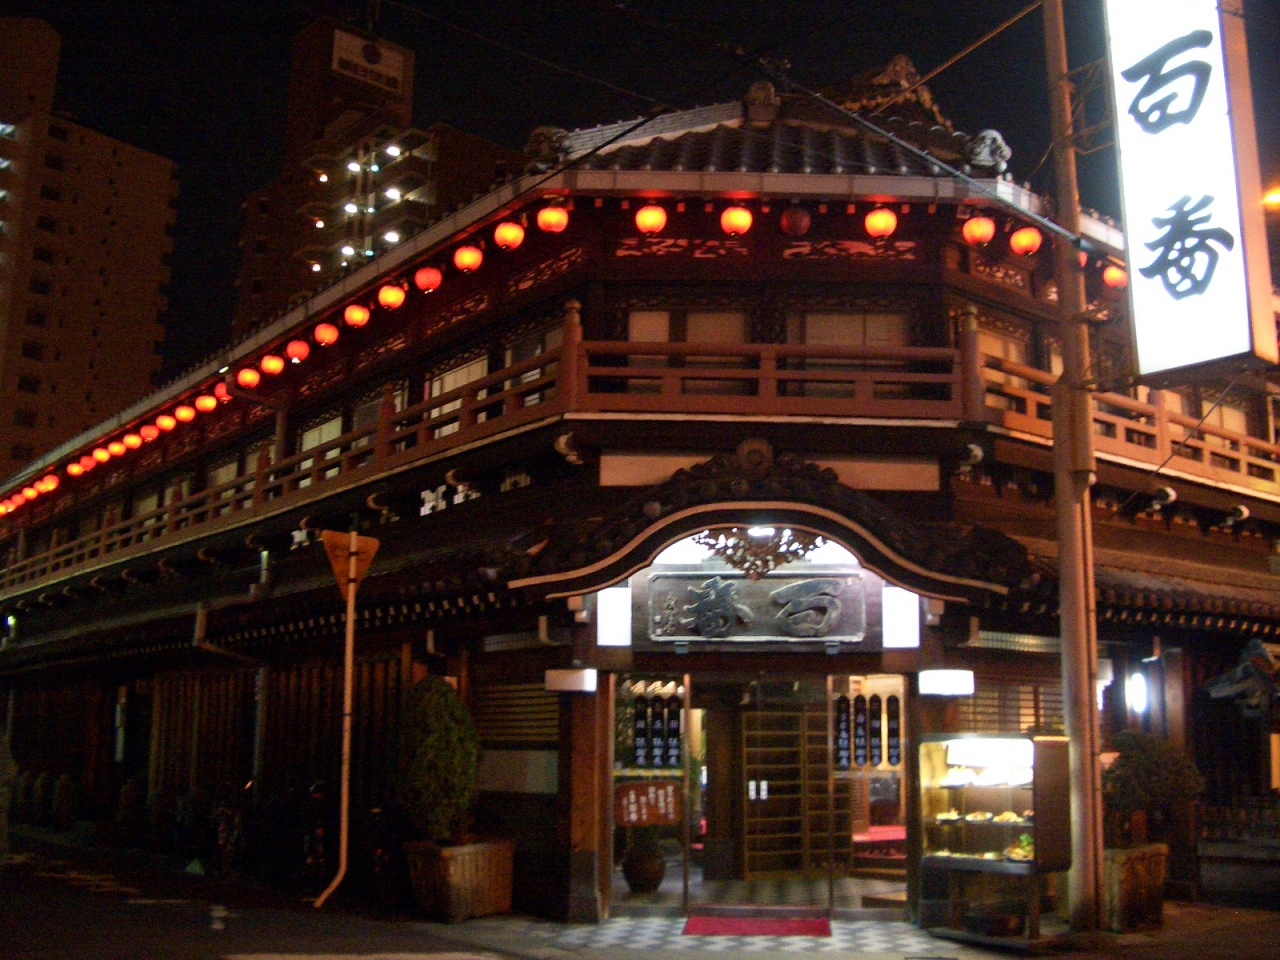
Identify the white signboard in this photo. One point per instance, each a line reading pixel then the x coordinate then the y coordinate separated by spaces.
pixel 1185 227
pixel 374 63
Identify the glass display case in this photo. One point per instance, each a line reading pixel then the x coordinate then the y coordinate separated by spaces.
pixel 996 805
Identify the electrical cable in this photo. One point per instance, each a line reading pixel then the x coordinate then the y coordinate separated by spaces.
pixel 957 58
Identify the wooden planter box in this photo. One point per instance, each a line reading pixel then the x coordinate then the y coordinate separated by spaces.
pixel 454 883
pixel 1134 879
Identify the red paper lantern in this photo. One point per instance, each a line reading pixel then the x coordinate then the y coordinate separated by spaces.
pixel 1117 278
pixel 271 364
pixel 796 221
pixel 132 441
pixel 428 279
pixel 356 315
pixel 88 462
pixel 185 412
pixel 205 403
pixel 117 449
pixel 508 235
pixel 166 422
pixel 880 223
pixel 553 219
pixel 149 432
pixel 979 231
pixel 735 221
pixel 650 218
pixel 297 351
pixel 222 393
pixel 325 334
pixel 391 295
pixel 30 493
pixel 75 469
pixel 101 454
pixel 50 482
pixel 1025 242
pixel 467 258
pixel 248 378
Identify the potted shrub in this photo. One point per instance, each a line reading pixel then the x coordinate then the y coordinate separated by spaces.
pixel 1146 782
pixel 453 877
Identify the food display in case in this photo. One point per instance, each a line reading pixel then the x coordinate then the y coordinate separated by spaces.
pixel 997 804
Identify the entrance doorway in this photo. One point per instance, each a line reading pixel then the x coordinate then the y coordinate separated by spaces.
pixel 790 794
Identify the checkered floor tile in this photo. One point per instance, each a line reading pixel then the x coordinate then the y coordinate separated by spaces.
pixel 666 933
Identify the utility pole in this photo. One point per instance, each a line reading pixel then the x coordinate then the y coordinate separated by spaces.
pixel 1073 473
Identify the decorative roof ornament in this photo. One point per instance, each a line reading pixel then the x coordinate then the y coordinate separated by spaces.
pixel 989 151
pixel 896 87
pixel 546 147
pixel 758 551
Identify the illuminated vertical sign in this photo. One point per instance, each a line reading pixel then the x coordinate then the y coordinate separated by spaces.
pixel 1191 189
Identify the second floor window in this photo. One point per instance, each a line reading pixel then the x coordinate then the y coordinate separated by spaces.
pixel 450 380
pixel 29 384
pixel 33 349
pixel 23 417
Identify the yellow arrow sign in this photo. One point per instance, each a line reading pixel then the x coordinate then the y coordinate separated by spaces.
pixel 338 547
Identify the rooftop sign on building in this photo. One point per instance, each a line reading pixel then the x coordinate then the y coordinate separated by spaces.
pixel 377 64
pixel 1191 188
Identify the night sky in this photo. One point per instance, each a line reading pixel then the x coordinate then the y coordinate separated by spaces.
pixel 204 84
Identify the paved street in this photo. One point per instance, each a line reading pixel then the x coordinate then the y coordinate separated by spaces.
pixel 62 903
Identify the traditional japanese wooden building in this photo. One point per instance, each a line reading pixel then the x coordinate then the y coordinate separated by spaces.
pixel 692 451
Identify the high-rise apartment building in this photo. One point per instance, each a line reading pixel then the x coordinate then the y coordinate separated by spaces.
pixel 84 244
pixel 357 177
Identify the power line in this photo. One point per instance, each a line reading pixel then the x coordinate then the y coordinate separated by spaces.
pixel 958 57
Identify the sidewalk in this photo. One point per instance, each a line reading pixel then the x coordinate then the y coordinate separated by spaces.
pixel 119 880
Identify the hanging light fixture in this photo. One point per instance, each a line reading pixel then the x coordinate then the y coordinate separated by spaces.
pixel 132 440
pixel 978 231
pixel 326 334
pixel 148 432
pixel 88 462
pixel 184 412
pixel 271 364
pixel 248 378
pixel 736 220
pixel 356 315
pixel 205 403
pixel 428 279
pixel 880 223
pixel 51 482
pixel 221 392
pixel 508 235
pixel 74 469
pixel 1117 278
pixel 467 258
pixel 101 454
pixel 391 295
pixel 166 422
pixel 117 449
pixel 297 351
pixel 650 218
pixel 553 219
pixel 1025 242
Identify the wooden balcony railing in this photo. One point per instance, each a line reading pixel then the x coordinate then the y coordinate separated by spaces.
pixel 908 383
pixel 1017 397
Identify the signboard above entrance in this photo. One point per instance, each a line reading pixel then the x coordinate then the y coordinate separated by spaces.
pixel 1200 294
pixel 817 606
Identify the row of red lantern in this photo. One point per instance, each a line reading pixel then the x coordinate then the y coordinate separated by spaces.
pixel 46 484
pixel 980 230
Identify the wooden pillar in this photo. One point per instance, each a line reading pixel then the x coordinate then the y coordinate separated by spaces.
pixel 582 769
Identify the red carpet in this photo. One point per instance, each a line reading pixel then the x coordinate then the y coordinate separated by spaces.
pixel 757 927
